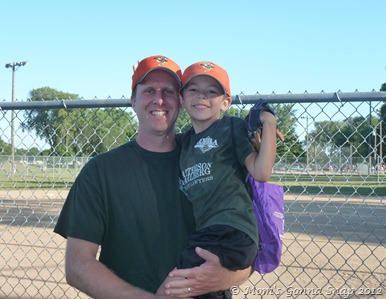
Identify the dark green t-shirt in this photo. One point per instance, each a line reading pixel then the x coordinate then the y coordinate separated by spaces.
pixel 128 201
pixel 213 175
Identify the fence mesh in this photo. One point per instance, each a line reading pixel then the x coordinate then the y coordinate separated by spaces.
pixel 331 166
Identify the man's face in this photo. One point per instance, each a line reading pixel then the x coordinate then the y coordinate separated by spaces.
pixel 156 103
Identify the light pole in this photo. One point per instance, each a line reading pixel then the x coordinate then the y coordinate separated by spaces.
pixel 14 66
pixel 375 148
pixel 381 147
pixel 307 141
pixel 380 157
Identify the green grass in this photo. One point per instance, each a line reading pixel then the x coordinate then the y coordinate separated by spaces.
pixel 332 184
pixel 36 184
pixel 293 183
pixel 331 190
pixel 35 177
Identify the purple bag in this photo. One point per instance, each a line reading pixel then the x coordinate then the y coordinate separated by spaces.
pixel 268 205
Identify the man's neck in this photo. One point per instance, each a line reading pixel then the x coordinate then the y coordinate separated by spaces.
pixel 162 143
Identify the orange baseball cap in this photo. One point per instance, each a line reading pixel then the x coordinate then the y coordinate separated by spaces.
pixel 209 69
pixel 151 63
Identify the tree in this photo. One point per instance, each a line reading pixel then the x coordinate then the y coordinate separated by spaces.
pixel 99 130
pixel 33 151
pixel 353 132
pixel 55 125
pixel 78 131
pixel 286 121
pixel 183 122
pixel 5 148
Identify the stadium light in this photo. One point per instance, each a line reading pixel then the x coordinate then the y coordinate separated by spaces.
pixel 380 157
pixel 307 139
pixel 14 66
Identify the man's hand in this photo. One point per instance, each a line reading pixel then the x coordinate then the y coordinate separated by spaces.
pixel 209 277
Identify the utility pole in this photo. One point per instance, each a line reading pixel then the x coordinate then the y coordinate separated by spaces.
pixel 14 66
pixel 307 139
pixel 381 146
pixel 380 156
pixel 375 148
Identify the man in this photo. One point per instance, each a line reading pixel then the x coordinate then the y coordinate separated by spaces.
pixel 127 202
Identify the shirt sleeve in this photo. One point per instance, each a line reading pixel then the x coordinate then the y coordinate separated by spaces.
pixel 82 215
pixel 243 146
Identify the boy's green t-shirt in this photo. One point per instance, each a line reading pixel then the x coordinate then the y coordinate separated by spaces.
pixel 214 175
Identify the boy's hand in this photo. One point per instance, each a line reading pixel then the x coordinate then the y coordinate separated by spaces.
pixel 255 124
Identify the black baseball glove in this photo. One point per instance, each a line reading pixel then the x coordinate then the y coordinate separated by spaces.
pixel 254 125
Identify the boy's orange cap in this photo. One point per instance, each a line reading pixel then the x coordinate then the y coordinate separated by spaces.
pixel 209 69
pixel 151 63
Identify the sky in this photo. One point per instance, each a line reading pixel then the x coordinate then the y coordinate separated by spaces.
pixel 88 47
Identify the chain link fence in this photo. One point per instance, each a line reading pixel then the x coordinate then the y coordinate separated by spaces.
pixel 331 166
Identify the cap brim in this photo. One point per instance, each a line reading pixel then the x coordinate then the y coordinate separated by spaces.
pixel 208 75
pixel 163 69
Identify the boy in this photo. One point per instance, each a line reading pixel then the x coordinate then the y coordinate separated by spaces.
pixel 215 159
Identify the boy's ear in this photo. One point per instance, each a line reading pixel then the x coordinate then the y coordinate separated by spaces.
pixel 226 103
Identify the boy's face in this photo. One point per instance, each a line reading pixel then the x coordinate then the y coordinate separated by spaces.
pixel 204 100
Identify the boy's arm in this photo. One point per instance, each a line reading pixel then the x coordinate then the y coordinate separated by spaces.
pixel 260 164
pixel 209 277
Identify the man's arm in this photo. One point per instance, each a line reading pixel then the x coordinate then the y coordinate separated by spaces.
pixel 209 277
pixel 87 274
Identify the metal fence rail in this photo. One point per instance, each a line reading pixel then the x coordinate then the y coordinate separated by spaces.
pixel 331 166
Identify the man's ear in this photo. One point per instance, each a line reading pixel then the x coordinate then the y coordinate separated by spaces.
pixel 132 102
